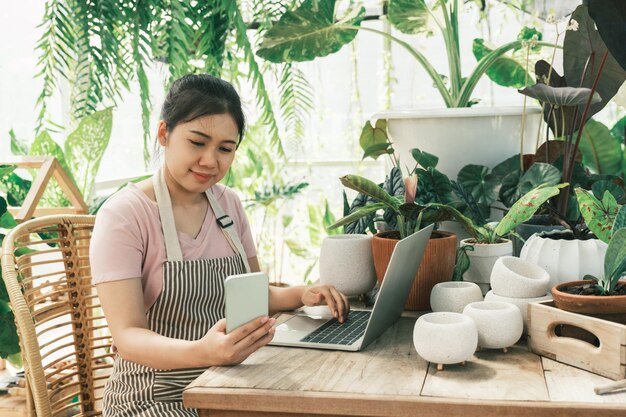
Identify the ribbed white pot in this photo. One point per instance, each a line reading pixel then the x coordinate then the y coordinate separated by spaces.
pixel 445 338
pixel 346 261
pixel 520 303
pixel 565 260
pixel 460 136
pixel 499 325
pixel 453 296
pixel 482 260
pixel 515 277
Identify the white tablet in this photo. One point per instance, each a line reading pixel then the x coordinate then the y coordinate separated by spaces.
pixel 247 298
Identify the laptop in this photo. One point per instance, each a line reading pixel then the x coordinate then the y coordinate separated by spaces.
pixel 362 326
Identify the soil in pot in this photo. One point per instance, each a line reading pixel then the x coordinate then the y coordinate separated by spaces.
pixel 581 297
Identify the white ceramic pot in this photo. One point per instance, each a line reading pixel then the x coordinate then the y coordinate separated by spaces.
pixel 460 136
pixel 453 296
pixel 515 277
pixel 346 262
pixel 482 259
pixel 565 259
pixel 445 338
pixel 499 325
pixel 520 303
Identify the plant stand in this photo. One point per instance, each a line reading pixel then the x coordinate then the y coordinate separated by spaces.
pixel 48 167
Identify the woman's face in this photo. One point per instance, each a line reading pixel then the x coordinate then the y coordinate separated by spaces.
pixel 199 153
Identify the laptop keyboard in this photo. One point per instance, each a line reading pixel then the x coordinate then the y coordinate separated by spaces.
pixel 336 333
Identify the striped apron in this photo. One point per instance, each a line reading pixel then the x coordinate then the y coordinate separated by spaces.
pixel 190 303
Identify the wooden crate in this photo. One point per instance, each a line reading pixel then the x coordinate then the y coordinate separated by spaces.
pixel 608 358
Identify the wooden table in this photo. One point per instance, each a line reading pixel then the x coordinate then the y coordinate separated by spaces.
pixel 388 378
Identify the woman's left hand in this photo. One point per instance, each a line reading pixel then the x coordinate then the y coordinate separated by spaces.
pixel 327 294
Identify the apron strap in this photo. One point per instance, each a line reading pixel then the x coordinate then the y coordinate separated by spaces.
pixel 172 246
pixel 226 224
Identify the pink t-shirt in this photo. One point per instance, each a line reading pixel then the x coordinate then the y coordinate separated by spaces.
pixel 128 242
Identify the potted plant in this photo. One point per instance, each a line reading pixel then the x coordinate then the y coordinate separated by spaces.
pixel 314 30
pixel 396 200
pixel 592 76
pixel 489 241
pixel 605 293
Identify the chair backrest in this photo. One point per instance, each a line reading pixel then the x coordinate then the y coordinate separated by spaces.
pixel 65 343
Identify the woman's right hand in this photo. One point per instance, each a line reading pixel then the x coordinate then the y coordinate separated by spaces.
pixel 219 348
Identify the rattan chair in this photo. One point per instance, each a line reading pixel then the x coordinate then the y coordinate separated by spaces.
pixel 63 335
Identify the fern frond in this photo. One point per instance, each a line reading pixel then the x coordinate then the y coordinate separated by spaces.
pixel 255 75
pixel 295 101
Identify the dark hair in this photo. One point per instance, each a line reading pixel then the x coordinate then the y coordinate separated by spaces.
pixel 197 95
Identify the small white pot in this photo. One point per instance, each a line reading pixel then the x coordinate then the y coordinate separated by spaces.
pixel 565 260
pixel 515 277
pixel 346 262
pixel 445 338
pixel 482 259
pixel 499 325
pixel 520 303
pixel 453 296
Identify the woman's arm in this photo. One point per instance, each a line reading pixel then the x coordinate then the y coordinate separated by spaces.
pixel 122 302
pixel 291 298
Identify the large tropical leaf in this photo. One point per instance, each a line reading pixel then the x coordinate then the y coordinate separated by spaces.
pixel 409 16
pixel 369 188
pixel 515 186
pixel 361 225
pixel 504 71
pixel 9 342
pixel 85 146
pixel 614 260
pixel 560 96
pixel 583 51
pixel 525 208
pixel 610 19
pixel 620 220
pixel 477 180
pixel 424 159
pixel 599 215
pixel 599 187
pixel 506 167
pixel 44 145
pixel 309 32
pixel 374 140
pixel 619 130
pixel 601 152
pixel 357 214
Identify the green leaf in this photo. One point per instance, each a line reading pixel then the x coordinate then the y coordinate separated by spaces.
pixel 480 183
pixel 514 186
pixel 615 259
pixel 424 159
pixel 309 32
pixel 367 187
pixel 374 140
pixel 18 147
pixel 462 262
pixel 85 146
pixel 505 167
pixel 356 215
pixel 433 186
pixel 504 71
pixel 525 208
pixel 296 248
pixel 583 50
pixel 620 220
pixel 619 130
pixel 6 169
pixel 601 152
pixel 409 16
pixel 9 342
pixel 599 215
pixel 7 221
pixel 44 145
pixel 561 96
pixel 600 186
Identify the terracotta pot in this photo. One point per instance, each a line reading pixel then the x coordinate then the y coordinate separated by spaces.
pixel 588 304
pixel 437 264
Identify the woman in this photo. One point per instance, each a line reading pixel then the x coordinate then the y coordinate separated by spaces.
pixel 162 248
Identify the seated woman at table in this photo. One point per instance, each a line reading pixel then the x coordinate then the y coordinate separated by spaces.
pixel 162 248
